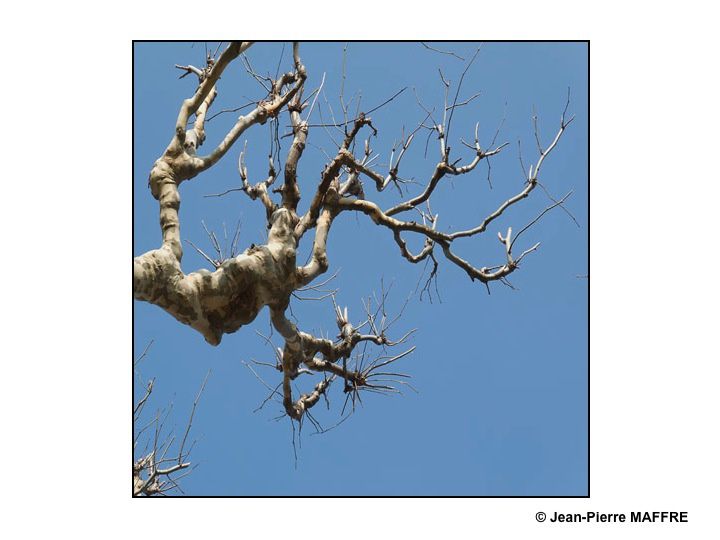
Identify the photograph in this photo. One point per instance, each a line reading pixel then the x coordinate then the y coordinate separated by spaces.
pixel 361 269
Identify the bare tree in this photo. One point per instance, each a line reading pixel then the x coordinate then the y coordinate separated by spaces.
pixel 222 301
pixel 158 453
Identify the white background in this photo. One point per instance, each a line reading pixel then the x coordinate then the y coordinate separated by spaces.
pixel 66 222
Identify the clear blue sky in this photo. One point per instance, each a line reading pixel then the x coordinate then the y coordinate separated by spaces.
pixel 502 378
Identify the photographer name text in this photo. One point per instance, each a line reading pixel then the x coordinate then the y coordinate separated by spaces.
pixel 634 517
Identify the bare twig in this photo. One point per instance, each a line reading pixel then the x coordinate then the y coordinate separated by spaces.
pixel 450 53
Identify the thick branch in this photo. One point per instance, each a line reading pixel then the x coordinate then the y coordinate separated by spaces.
pixel 195 137
pixel 191 105
pixel 319 261
pixel 231 296
pixel 330 174
pixel 291 192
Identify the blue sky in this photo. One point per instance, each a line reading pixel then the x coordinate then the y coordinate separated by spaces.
pixel 502 378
